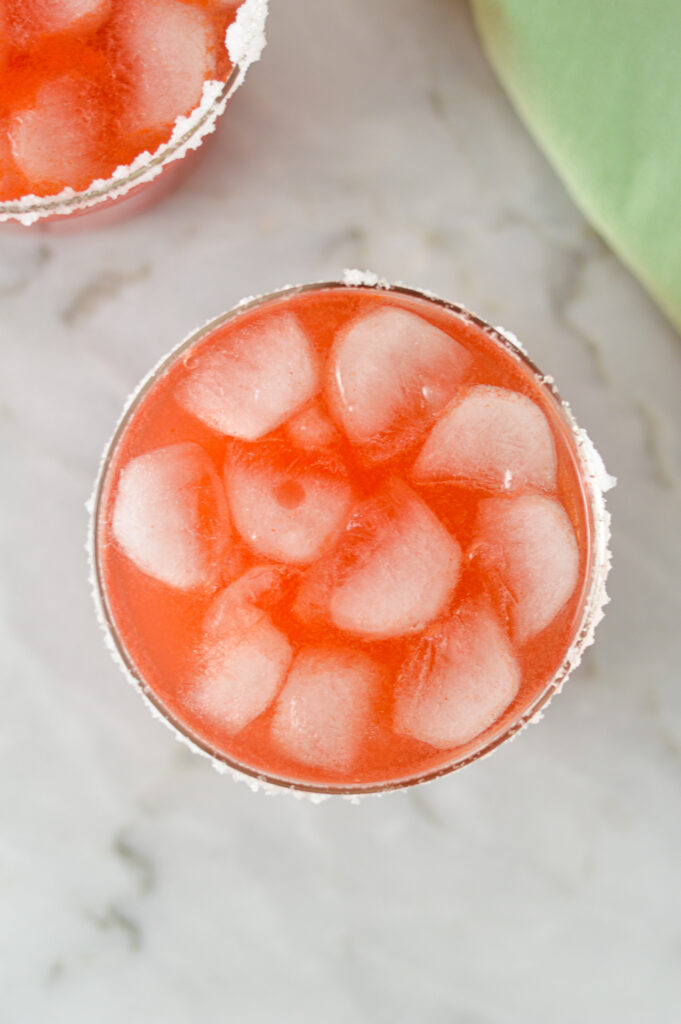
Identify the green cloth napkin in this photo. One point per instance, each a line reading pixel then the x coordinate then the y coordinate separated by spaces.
pixel 598 83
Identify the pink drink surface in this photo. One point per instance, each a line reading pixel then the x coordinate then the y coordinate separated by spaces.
pixel 343 539
pixel 88 85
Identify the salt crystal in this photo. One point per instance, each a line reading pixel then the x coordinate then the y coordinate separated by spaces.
pixel 391 374
pixel 59 138
pixel 490 437
pixel 460 678
pixel 324 712
pixel 245 36
pixel 169 50
pixel 406 566
pixel 529 549
pixel 289 515
pixel 170 515
pixel 254 382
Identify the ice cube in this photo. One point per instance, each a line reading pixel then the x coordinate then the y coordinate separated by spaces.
pixel 11 182
pixel 311 601
pixel 493 438
pixel 288 514
pixel 311 428
pixel 237 604
pixel 32 18
pixel 255 380
pixel 170 515
pixel 243 660
pixel 403 567
pixel 391 374
pixel 460 678
pixel 168 50
pixel 324 713
pixel 59 140
pixel 529 549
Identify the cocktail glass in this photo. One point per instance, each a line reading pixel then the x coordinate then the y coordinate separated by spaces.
pixel 454 565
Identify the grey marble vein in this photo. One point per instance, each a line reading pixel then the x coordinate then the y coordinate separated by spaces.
pixel 104 287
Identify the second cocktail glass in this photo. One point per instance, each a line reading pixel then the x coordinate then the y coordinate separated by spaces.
pixel 102 98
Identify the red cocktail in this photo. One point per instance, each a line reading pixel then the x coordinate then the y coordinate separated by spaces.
pixel 347 538
pixel 98 97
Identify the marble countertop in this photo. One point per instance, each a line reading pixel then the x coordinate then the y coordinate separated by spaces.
pixel 137 884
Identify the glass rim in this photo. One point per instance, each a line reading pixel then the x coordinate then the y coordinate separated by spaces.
pixel 593 599
pixel 201 121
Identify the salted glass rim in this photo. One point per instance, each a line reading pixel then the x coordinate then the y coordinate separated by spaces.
pixel 201 119
pixel 593 593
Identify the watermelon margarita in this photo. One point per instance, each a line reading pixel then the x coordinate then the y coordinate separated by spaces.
pixel 97 97
pixel 347 538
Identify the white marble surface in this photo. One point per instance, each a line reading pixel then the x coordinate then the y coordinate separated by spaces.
pixel 137 884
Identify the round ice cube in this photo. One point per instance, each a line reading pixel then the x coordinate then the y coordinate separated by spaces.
pixel 11 182
pixel 168 50
pixel 324 713
pixel 260 585
pixel 490 437
pixel 529 549
pixel 311 428
pixel 460 678
pixel 391 374
pixel 32 18
pixel 403 567
pixel 288 514
pixel 242 663
pixel 254 382
pixel 170 515
pixel 59 140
